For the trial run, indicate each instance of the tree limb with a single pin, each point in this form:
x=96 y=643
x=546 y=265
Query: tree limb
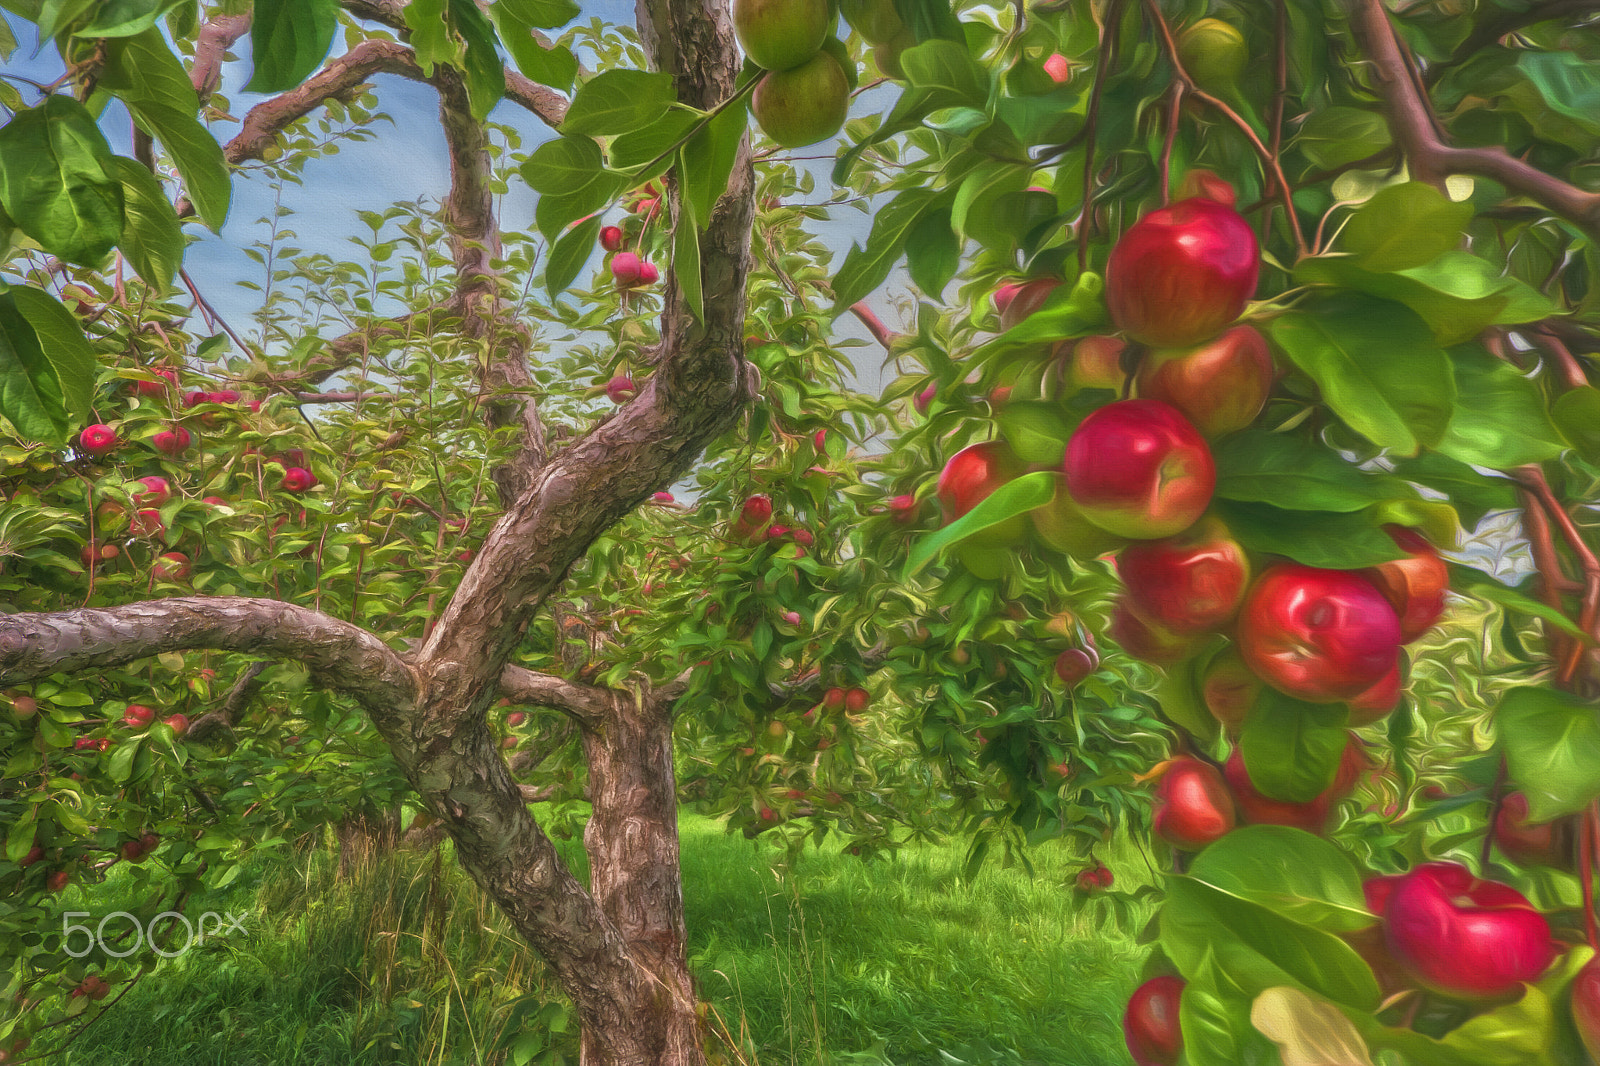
x=585 y=704
x=216 y=37
x=1431 y=159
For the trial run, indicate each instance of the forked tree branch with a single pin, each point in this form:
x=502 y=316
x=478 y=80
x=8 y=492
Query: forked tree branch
x=1431 y=159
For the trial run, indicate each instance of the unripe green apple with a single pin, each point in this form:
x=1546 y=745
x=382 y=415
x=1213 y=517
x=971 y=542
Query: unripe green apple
x=804 y=105
x=1214 y=54
x=887 y=54
x=781 y=34
x=876 y=20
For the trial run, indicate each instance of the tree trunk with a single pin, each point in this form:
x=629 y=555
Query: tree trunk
x=632 y=841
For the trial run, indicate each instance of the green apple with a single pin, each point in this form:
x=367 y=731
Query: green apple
x=887 y=54
x=802 y=106
x=781 y=34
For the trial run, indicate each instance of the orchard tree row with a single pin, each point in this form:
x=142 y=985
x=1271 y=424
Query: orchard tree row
x=1178 y=518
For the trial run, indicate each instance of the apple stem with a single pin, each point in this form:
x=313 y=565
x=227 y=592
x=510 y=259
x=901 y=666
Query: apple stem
x=1497 y=795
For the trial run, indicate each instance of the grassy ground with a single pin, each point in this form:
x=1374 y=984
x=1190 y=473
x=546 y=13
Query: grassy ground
x=835 y=963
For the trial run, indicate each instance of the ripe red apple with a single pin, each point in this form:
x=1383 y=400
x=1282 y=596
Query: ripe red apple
x=1094 y=878
x=1312 y=816
x=34 y=854
x=156 y=492
x=178 y=722
x=754 y=515
x=1318 y=635
x=195 y=398
x=1144 y=641
x=1229 y=689
x=138 y=716
x=611 y=238
x=1182 y=274
x=804 y=105
x=149 y=841
x=508 y=743
x=925 y=398
x=147 y=523
x=1057 y=68
x=57 y=880
x=1220 y=385
x=903 y=510
x=1193 y=807
x=648 y=274
x=856 y=700
x=1150 y=1024
x=1379 y=700
x=1190 y=583
x=1075 y=664
x=298 y=479
x=97 y=440
x=833 y=699
x=1463 y=936
x=625 y=269
x=110 y=516
x=1137 y=468
x=781 y=34
x=1586 y=1006
x=663 y=498
x=172 y=442
x=132 y=851
x=1414 y=586
x=172 y=566
x=620 y=389
x=1531 y=843
x=515 y=718
x=970 y=477
x=164 y=380
x=1016 y=300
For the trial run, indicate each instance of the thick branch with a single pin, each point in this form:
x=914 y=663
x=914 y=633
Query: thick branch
x=225 y=717
x=1411 y=124
x=342 y=657
x=216 y=37
x=586 y=704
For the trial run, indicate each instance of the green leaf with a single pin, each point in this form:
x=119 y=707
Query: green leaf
x=1473 y=494
x=1015 y=497
x=1292 y=748
x=288 y=39
x=19 y=836
x=197 y=156
x=686 y=263
x=933 y=252
x=651 y=144
x=120 y=767
x=30 y=394
x=1500 y=420
x=1334 y=136
x=1259 y=948
x=864 y=269
x=1569 y=84
x=57 y=180
x=485 y=74
x=1215 y=1025
x=948 y=69
x=1293 y=473
x=142 y=68
x=1577 y=415
x=151 y=237
x=1181 y=701
x=542 y=14
x=708 y=160
x=431 y=38
x=1303 y=877
x=64 y=346
x=572 y=183
x=1036 y=430
x=618 y=101
x=1332 y=539
x=124 y=18
x=1552 y=746
x=1405 y=225
x=1069 y=311
x=1493 y=591
x=569 y=253
x=1377 y=367
x=8 y=44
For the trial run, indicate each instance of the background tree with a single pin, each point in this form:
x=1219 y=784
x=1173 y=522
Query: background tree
x=821 y=657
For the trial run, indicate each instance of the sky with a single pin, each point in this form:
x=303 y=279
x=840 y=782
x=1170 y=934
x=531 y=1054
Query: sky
x=406 y=160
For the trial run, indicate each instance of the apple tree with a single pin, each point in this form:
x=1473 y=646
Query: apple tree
x=1238 y=350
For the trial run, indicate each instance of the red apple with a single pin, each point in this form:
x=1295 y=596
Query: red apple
x=1182 y=274
x=24 y=707
x=149 y=841
x=164 y=380
x=97 y=440
x=611 y=238
x=1312 y=816
x=663 y=498
x=196 y=398
x=1318 y=635
x=110 y=516
x=1379 y=700
x=970 y=477
x=1193 y=807
x=1191 y=583
x=1094 y=363
x=57 y=880
x=1144 y=641
x=1137 y=468
x=625 y=269
x=1016 y=300
x=925 y=397
x=754 y=515
x=856 y=700
x=1462 y=936
x=1414 y=586
x=138 y=716
x=1057 y=68
x=1220 y=385
x=903 y=510
x=132 y=851
x=1229 y=689
x=34 y=854
x=833 y=699
x=1075 y=664
x=172 y=442
x=1531 y=843
x=156 y=492
x=1150 y=1024
x=620 y=389
x=147 y=523
x=178 y=722
x=172 y=566
x=648 y=274
x=1586 y=1006
x=298 y=479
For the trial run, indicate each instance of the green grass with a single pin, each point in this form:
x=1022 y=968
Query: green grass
x=833 y=962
